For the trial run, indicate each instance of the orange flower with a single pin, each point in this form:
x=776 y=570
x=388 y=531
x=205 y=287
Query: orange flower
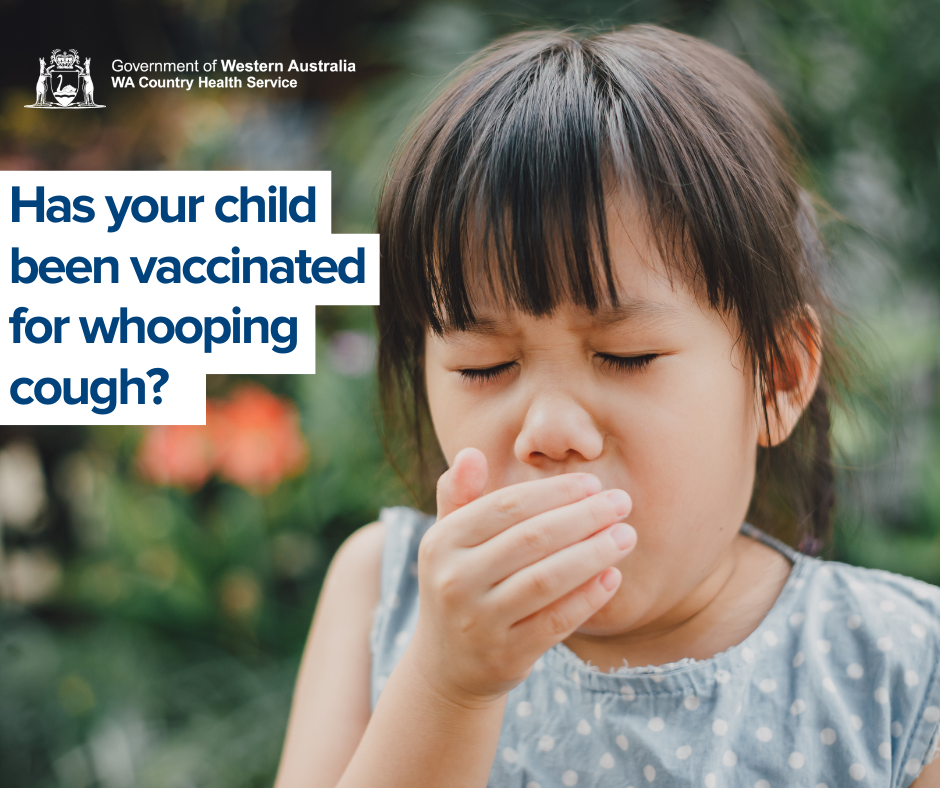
x=179 y=455
x=259 y=439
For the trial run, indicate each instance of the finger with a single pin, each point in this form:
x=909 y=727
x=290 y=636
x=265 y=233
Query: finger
x=532 y=540
x=491 y=514
x=544 y=582
x=463 y=482
x=557 y=621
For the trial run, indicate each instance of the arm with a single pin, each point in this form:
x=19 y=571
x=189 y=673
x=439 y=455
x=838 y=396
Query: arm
x=418 y=736
x=331 y=740
x=331 y=699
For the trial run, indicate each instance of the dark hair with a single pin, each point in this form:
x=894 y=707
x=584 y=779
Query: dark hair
x=519 y=156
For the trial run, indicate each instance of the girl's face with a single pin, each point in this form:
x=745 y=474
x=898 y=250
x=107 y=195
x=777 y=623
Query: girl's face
x=652 y=397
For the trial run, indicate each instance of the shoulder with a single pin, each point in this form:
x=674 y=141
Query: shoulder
x=882 y=617
x=357 y=562
x=876 y=600
x=363 y=549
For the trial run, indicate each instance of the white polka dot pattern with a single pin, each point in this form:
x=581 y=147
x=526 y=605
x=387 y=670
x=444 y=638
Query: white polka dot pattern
x=852 y=654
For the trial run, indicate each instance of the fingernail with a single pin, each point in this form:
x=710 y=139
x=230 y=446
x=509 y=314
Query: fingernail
x=620 y=500
x=591 y=483
x=624 y=536
x=609 y=578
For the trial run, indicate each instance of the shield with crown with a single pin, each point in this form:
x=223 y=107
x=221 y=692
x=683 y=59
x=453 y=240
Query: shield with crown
x=65 y=76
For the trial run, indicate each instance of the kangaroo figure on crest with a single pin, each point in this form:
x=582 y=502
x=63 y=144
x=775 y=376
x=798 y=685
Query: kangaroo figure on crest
x=41 y=82
x=88 y=85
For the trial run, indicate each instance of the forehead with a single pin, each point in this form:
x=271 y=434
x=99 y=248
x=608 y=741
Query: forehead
x=649 y=290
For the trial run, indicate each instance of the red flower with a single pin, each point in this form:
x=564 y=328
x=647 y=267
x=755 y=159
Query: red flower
x=179 y=455
x=259 y=440
x=253 y=439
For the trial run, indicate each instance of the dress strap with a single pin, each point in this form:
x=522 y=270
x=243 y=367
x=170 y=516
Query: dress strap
x=762 y=536
x=395 y=615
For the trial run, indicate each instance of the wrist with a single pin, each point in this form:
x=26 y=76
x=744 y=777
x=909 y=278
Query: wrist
x=446 y=693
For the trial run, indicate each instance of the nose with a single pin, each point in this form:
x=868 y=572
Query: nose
x=558 y=429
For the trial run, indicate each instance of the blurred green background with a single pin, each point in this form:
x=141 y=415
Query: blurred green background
x=156 y=596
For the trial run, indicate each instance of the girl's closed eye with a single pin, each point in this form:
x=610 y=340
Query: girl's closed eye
x=627 y=363
x=486 y=374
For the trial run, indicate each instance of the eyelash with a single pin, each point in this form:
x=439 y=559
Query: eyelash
x=487 y=374
x=619 y=363
x=628 y=363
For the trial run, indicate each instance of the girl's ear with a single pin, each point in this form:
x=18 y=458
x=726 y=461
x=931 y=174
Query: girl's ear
x=795 y=382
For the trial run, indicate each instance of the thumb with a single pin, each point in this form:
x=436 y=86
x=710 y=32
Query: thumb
x=463 y=482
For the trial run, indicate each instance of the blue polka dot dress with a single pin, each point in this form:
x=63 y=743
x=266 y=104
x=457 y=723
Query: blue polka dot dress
x=837 y=686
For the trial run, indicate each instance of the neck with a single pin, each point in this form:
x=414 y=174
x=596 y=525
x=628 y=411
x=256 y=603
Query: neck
x=720 y=612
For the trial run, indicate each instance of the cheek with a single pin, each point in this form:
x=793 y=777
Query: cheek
x=442 y=406
x=693 y=452
x=462 y=418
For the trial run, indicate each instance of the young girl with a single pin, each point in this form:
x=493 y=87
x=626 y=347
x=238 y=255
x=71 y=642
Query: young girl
x=602 y=287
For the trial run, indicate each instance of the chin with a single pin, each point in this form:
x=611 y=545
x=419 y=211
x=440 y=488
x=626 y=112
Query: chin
x=604 y=622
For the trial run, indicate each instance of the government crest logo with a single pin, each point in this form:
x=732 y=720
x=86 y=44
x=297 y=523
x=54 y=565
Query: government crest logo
x=65 y=83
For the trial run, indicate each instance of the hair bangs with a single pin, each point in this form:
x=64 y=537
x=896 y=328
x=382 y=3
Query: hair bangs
x=513 y=203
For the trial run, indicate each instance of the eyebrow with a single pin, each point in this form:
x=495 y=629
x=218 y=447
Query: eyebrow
x=629 y=310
